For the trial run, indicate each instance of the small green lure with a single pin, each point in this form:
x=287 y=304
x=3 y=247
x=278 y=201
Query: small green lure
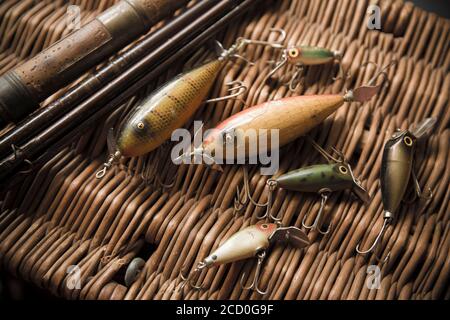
x=322 y=179
x=301 y=56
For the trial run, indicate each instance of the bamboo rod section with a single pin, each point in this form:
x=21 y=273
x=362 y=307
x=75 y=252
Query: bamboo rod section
x=24 y=87
x=41 y=118
x=74 y=123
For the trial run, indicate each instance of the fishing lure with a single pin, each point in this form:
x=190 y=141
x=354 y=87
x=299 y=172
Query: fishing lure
x=249 y=242
x=323 y=179
x=397 y=168
x=292 y=117
x=152 y=122
x=300 y=56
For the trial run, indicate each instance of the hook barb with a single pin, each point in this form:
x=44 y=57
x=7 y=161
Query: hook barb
x=366 y=92
x=255 y=282
x=277 y=67
x=295 y=79
x=314 y=226
x=276 y=44
x=418 y=189
x=240 y=89
x=189 y=278
x=325 y=154
x=376 y=242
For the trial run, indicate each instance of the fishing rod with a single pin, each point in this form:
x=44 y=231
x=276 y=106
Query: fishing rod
x=74 y=124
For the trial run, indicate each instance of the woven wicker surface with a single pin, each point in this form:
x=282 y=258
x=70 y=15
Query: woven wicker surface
x=62 y=216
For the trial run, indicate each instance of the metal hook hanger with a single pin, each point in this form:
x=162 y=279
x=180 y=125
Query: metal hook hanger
x=325 y=193
x=255 y=283
x=107 y=165
x=376 y=241
x=241 y=89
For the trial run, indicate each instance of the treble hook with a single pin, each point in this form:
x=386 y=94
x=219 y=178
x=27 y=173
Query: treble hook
x=201 y=265
x=294 y=82
x=418 y=190
x=365 y=92
x=166 y=186
x=325 y=154
x=376 y=241
x=277 y=67
x=276 y=45
x=162 y=184
x=272 y=184
x=383 y=73
x=248 y=197
x=255 y=283
x=238 y=205
x=241 y=89
x=324 y=194
x=242 y=42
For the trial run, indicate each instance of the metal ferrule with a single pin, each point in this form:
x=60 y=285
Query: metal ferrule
x=349 y=96
x=337 y=55
x=388 y=215
x=14 y=93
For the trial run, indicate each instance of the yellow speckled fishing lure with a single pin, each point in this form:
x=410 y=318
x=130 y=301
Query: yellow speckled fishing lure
x=170 y=107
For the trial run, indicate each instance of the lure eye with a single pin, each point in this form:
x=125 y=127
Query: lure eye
x=264 y=226
x=343 y=169
x=293 y=53
x=140 y=125
x=408 y=141
x=228 y=138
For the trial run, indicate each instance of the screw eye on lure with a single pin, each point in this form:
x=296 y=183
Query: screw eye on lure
x=323 y=179
x=253 y=241
x=397 y=168
x=152 y=122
